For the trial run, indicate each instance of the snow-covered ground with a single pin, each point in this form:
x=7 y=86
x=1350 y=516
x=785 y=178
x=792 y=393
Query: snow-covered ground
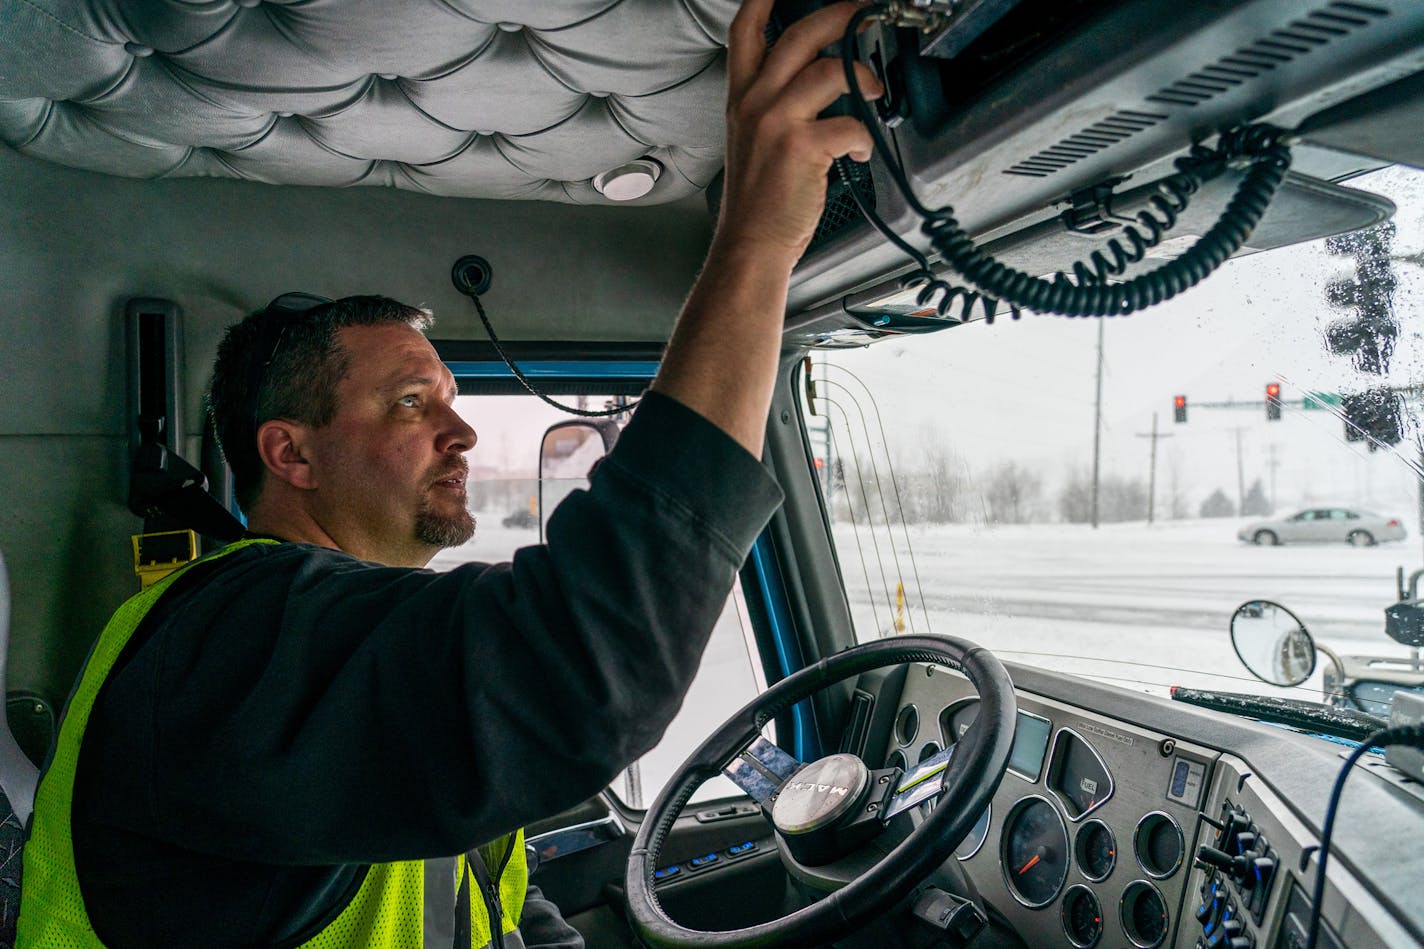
x=1147 y=607
x=1142 y=608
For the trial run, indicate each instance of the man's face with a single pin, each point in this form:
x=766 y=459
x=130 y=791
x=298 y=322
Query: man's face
x=390 y=466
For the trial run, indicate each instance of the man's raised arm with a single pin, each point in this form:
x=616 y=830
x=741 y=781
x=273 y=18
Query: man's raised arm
x=721 y=360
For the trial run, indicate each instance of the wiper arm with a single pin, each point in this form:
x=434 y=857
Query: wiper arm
x=1312 y=716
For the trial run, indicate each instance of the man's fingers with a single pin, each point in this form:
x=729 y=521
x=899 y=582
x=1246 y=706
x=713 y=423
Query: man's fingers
x=746 y=46
x=843 y=135
x=800 y=44
x=823 y=82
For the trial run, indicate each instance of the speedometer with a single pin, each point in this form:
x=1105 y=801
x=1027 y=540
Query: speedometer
x=1034 y=852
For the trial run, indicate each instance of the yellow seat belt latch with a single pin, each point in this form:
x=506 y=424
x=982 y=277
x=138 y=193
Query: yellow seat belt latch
x=159 y=554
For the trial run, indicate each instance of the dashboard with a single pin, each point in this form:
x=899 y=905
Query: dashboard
x=1128 y=820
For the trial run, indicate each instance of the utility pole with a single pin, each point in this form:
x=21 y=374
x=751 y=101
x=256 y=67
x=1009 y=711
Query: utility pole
x=1098 y=422
x=1152 y=469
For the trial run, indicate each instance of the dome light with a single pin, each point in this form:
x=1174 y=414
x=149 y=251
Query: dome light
x=628 y=182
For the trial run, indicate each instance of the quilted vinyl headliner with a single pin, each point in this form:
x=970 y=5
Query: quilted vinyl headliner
x=471 y=98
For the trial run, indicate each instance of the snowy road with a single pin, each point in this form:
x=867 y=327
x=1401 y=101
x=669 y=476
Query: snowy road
x=1141 y=608
x=1158 y=599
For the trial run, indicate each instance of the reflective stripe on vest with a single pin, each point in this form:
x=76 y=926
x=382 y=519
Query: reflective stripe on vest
x=385 y=912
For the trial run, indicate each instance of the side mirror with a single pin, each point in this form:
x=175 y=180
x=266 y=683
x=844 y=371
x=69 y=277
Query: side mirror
x=1272 y=643
x=567 y=456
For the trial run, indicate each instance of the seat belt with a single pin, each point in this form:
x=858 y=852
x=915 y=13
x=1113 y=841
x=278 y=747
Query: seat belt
x=172 y=497
x=164 y=489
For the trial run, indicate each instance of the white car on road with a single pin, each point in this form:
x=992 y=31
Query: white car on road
x=1325 y=525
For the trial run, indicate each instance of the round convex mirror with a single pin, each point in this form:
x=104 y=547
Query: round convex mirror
x=1272 y=642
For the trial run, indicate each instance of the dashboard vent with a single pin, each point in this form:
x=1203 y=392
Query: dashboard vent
x=861 y=705
x=1089 y=141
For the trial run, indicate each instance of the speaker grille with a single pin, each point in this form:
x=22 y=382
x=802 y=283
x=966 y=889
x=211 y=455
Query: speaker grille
x=841 y=213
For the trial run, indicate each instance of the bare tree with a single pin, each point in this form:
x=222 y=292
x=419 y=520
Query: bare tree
x=1075 y=499
x=1012 y=492
x=941 y=484
x=1119 y=499
x=1122 y=499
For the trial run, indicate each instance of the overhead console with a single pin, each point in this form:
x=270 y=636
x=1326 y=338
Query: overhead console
x=1042 y=123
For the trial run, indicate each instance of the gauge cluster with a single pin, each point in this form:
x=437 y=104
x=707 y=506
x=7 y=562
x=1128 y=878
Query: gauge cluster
x=1087 y=840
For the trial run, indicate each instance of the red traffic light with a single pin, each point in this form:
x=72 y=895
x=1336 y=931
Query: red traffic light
x=1273 y=401
x=1179 y=408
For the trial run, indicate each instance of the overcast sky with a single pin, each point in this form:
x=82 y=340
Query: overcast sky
x=1024 y=390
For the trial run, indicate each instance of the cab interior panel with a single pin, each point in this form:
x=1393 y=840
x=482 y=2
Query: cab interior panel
x=966 y=478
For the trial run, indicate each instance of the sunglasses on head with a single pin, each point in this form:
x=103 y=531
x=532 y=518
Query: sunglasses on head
x=271 y=328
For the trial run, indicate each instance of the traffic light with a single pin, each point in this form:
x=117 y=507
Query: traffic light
x=1179 y=408
x=1273 y=401
x=1373 y=416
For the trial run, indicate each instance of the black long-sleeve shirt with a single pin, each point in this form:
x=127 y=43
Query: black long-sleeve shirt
x=290 y=714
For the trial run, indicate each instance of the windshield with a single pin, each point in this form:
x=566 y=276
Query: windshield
x=959 y=467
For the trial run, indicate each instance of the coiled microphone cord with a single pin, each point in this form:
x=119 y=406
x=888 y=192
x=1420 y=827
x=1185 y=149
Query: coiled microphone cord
x=1086 y=291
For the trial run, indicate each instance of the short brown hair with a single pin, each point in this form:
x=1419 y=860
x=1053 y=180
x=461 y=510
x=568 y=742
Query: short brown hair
x=295 y=380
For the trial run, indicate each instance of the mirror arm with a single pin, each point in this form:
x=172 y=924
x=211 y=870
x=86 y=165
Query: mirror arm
x=1334 y=658
x=1412 y=592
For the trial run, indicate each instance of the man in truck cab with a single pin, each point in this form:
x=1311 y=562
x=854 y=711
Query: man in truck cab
x=305 y=739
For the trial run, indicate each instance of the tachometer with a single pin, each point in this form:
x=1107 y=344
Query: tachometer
x=1034 y=852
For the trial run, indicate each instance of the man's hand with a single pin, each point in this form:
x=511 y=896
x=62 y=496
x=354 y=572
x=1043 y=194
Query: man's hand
x=778 y=151
x=721 y=360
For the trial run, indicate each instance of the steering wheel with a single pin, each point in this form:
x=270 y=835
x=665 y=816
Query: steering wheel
x=829 y=815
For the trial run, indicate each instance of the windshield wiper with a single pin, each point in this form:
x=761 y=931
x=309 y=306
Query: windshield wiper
x=1311 y=716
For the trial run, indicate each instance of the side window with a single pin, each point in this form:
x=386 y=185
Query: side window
x=508 y=500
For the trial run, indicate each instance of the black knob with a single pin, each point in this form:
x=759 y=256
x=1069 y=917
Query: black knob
x=1211 y=857
x=471 y=275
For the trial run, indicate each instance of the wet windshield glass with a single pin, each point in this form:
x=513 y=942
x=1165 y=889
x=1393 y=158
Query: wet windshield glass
x=511 y=502
x=962 y=483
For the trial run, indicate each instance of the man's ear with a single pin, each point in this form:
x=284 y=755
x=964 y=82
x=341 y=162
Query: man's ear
x=284 y=448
